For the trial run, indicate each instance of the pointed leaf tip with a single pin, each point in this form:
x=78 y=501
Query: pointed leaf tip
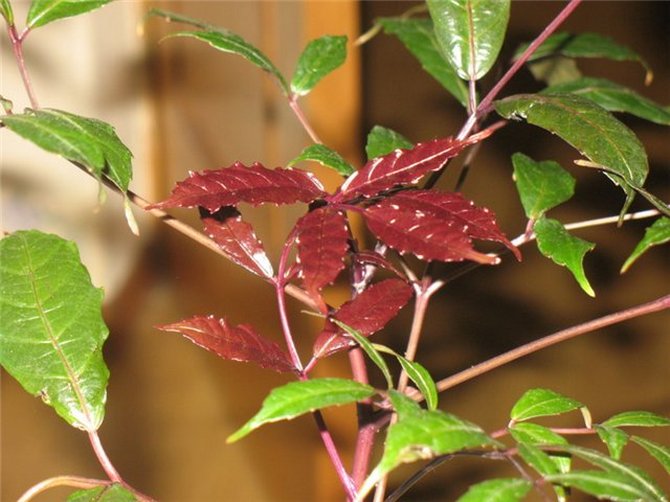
x=320 y=57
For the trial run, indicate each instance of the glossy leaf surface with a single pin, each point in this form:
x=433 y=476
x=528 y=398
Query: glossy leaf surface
x=658 y=451
x=537 y=459
x=234 y=343
x=297 y=398
x=541 y=185
x=418 y=37
x=109 y=493
x=237 y=240
x=382 y=141
x=238 y=183
x=51 y=326
x=434 y=225
x=593 y=131
x=637 y=419
x=326 y=157
x=541 y=403
x=320 y=57
x=615 y=439
x=45 y=11
x=90 y=142
x=602 y=485
x=535 y=434
x=614 y=98
x=564 y=249
x=422 y=379
x=470 y=33
x=497 y=490
x=656 y=234
x=367 y=313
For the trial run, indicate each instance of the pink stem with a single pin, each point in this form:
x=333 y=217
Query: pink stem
x=328 y=442
x=367 y=429
x=103 y=458
x=17 y=47
x=293 y=103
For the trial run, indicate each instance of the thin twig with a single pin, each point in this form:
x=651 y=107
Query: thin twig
x=73 y=481
x=293 y=103
x=100 y=453
x=17 y=48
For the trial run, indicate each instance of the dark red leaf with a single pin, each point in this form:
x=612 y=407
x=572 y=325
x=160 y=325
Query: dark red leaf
x=376 y=260
x=236 y=343
x=402 y=167
x=435 y=226
x=237 y=240
x=322 y=245
x=367 y=313
x=238 y=183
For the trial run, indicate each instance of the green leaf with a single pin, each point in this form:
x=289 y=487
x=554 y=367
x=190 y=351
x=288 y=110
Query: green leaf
x=320 y=57
x=656 y=234
x=633 y=476
x=554 y=242
x=537 y=459
x=421 y=377
x=369 y=349
x=536 y=434
x=497 y=490
x=592 y=130
x=585 y=45
x=87 y=141
x=297 y=398
x=614 y=438
x=418 y=36
x=51 y=327
x=110 y=493
x=326 y=157
x=470 y=33
x=541 y=403
x=382 y=140
x=541 y=185
x=614 y=98
x=555 y=70
x=403 y=405
x=602 y=485
x=637 y=419
x=6 y=11
x=45 y=11
x=659 y=452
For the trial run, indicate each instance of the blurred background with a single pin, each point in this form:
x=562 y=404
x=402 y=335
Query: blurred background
x=180 y=105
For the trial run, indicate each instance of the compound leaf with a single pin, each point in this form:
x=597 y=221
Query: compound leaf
x=541 y=185
x=382 y=141
x=470 y=33
x=45 y=11
x=87 y=141
x=320 y=57
x=108 y=493
x=233 y=343
x=51 y=326
x=659 y=452
x=297 y=398
x=564 y=249
x=541 y=403
x=238 y=183
x=615 y=439
x=497 y=490
x=326 y=157
x=637 y=419
x=656 y=234
x=418 y=37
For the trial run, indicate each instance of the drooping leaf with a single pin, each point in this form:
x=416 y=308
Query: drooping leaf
x=601 y=484
x=238 y=183
x=564 y=249
x=592 y=130
x=615 y=439
x=614 y=98
x=434 y=226
x=403 y=405
x=320 y=57
x=541 y=185
x=326 y=157
x=6 y=11
x=541 y=403
x=367 y=313
x=382 y=141
x=585 y=45
x=51 y=326
x=656 y=234
x=401 y=167
x=536 y=434
x=470 y=33
x=237 y=240
x=658 y=451
x=422 y=379
x=637 y=419
x=87 y=141
x=322 y=241
x=234 y=343
x=537 y=459
x=297 y=398
x=497 y=490
x=45 y=11
x=108 y=493
x=419 y=38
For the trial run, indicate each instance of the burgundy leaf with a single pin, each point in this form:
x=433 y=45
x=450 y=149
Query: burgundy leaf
x=367 y=313
x=435 y=226
x=322 y=245
x=374 y=259
x=238 y=183
x=401 y=167
x=236 y=343
x=237 y=240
